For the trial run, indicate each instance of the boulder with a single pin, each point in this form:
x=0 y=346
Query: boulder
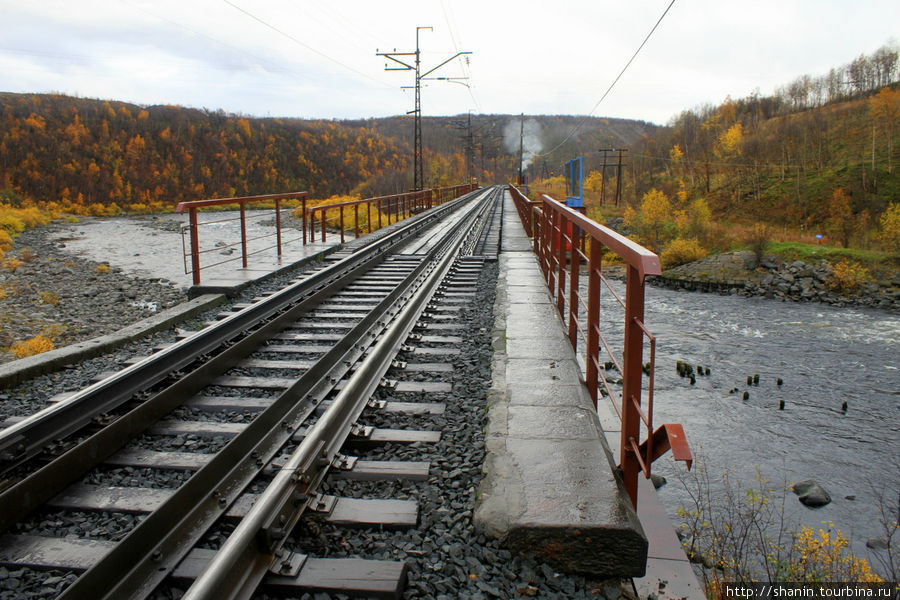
x=876 y=544
x=811 y=493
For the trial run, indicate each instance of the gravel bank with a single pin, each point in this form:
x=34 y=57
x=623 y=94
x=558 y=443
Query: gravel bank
x=67 y=298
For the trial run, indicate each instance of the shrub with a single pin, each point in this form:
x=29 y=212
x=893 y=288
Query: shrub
x=51 y=298
x=27 y=255
x=32 y=217
x=847 y=276
x=6 y=242
x=11 y=264
x=890 y=228
x=681 y=251
x=10 y=222
x=758 y=241
x=36 y=345
x=747 y=536
x=101 y=269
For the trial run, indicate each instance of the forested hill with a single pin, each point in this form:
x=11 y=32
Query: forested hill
x=64 y=149
x=81 y=153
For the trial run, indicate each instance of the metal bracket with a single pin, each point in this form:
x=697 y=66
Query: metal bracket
x=407 y=348
x=288 y=565
x=361 y=431
x=398 y=364
x=388 y=383
x=669 y=437
x=344 y=462
x=376 y=404
x=321 y=503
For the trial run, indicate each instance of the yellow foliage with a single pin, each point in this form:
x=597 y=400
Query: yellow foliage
x=847 y=276
x=5 y=240
x=675 y=154
x=594 y=181
x=36 y=345
x=681 y=251
x=101 y=269
x=12 y=264
x=731 y=139
x=824 y=557
x=10 y=222
x=51 y=298
x=890 y=228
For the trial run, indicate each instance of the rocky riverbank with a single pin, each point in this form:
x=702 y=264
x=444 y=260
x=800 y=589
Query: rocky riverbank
x=736 y=273
x=44 y=290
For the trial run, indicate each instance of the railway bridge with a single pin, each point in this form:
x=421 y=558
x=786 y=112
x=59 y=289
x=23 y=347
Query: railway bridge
x=433 y=408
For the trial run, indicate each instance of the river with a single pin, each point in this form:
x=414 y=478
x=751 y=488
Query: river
x=825 y=356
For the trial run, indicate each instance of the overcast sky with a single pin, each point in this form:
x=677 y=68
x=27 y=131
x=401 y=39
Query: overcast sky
x=317 y=59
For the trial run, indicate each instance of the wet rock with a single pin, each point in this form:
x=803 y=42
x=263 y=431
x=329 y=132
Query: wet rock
x=811 y=493
x=877 y=543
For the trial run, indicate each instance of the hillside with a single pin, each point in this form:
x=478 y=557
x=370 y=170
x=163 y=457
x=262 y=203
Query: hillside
x=788 y=169
x=101 y=156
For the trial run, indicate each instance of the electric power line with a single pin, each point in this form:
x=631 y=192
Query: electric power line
x=305 y=45
x=612 y=85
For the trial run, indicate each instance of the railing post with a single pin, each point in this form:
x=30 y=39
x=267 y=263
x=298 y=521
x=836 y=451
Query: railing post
x=195 y=247
x=304 y=215
x=380 y=211
x=368 y=217
x=564 y=226
x=243 y=235
x=631 y=380
x=592 y=362
x=341 y=222
x=323 y=217
x=553 y=227
x=356 y=219
x=278 y=226
x=574 y=267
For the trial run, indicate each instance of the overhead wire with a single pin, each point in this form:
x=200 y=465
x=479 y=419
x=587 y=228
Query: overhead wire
x=464 y=61
x=613 y=84
x=212 y=39
x=304 y=45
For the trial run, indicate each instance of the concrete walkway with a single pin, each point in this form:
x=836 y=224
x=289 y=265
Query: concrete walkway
x=550 y=487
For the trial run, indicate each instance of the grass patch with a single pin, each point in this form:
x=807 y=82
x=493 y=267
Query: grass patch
x=809 y=253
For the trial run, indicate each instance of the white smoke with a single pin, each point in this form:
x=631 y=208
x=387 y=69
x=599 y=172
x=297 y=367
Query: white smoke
x=531 y=139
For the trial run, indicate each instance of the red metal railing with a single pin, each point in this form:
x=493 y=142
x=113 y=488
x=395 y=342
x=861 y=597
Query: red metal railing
x=564 y=240
x=387 y=209
x=193 y=228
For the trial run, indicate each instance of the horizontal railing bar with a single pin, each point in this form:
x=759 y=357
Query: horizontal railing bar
x=182 y=206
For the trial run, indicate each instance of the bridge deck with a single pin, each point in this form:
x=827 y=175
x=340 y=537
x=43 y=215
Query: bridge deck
x=549 y=487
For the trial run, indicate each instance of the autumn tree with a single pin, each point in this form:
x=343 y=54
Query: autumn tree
x=652 y=219
x=840 y=223
x=890 y=228
x=885 y=107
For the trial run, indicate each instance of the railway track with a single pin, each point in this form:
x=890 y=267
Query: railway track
x=213 y=465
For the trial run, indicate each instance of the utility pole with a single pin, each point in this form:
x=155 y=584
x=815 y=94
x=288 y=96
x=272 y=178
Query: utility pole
x=619 y=175
x=418 y=162
x=603 y=177
x=618 y=166
x=521 y=179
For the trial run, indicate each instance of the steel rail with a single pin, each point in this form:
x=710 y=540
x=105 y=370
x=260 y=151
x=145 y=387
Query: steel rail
x=155 y=547
x=25 y=495
x=255 y=546
x=30 y=436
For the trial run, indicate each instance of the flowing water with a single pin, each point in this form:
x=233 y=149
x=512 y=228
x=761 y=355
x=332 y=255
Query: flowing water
x=826 y=356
